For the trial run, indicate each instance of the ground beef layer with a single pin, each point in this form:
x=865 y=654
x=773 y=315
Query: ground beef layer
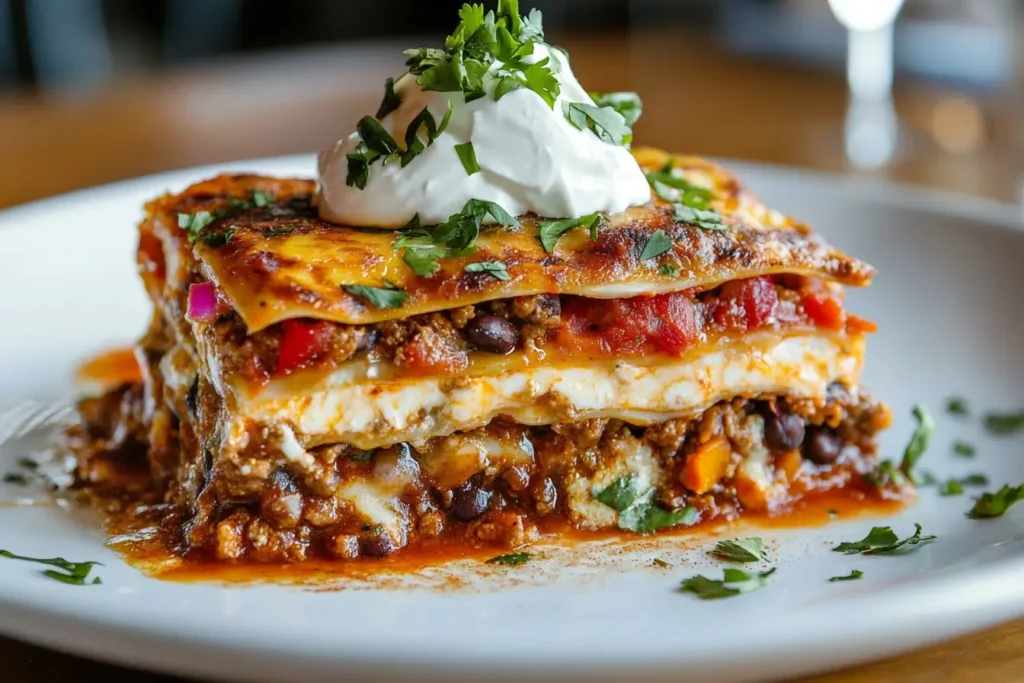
x=495 y=485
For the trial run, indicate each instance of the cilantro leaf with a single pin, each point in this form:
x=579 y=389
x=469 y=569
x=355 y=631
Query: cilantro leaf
x=1002 y=424
x=218 y=239
x=707 y=220
x=511 y=559
x=852 y=576
x=505 y=85
x=495 y=268
x=657 y=244
x=919 y=441
x=533 y=26
x=734 y=582
x=278 y=232
x=455 y=237
x=669 y=184
x=479 y=209
x=261 y=199
x=606 y=123
x=645 y=516
x=387 y=296
x=668 y=270
x=620 y=494
x=551 y=231
x=955 y=487
x=996 y=504
x=882 y=540
x=467 y=155
x=886 y=474
x=964 y=449
x=74 y=573
x=741 y=550
x=391 y=100
x=375 y=137
x=538 y=78
x=422 y=254
x=956 y=405
x=195 y=223
x=627 y=104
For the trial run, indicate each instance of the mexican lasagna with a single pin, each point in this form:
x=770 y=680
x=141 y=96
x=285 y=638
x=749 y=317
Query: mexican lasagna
x=316 y=390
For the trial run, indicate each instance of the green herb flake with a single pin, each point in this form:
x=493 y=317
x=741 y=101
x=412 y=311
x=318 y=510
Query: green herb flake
x=74 y=573
x=494 y=268
x=467 y=155
x=991 y=505
x=195 y=223
x=261 y=198
x=704 y=219
x=511 y=559
x=964 y=449
x=1004 y=424
x=216 y=240
x=741 y=550
x=627 y=104
x=645 y=516
x=620 y=494
x=734 y=582
x=852 y=576
x=455 y=237
x=955 y=487
x=657 y=244
x=658 y=562
x=956 y=405
x=882 y=540
x=919 y=441
x=279 y=232
x=391 y=100
x=551 y=231
x=16 y=478
x=387 y=296
x=668 y=270
x=605 y=122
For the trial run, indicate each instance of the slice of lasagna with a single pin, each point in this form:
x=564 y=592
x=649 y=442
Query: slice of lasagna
x=316 y=390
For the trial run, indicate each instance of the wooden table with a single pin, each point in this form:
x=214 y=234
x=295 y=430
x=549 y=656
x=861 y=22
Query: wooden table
x=697 y=100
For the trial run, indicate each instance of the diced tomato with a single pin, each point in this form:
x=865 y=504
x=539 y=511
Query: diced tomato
x=824 y=309
x=302 y=341
x=666 y=323
x=746 y=304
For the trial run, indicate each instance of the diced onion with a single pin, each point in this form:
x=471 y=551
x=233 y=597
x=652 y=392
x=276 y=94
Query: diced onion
x=203 y=304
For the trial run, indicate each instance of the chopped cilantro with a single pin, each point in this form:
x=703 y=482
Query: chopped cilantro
x=996 y=504
x=16 y=478
x=627 y=104
x=964 y=449
x=704 y=219
x=218 y=239
x=467 y=155
x=741 y=550
x=956 y=405
x=551 y=231
x=620 y=494
x=852 y=576
x=605 y=122
x=882 y=540
x=668 y=270
x=955 y=487
x=638 y=511
x=919 y=441
x=734 y=582
x=495 y=268
x=511 y=559
x=195 y=223
x=657 y=244
x=278 y=232
x=261 y=199
x=391 y=100
x=456 y=237
x=387 y=296
x=1002 y=424
x=74 y=573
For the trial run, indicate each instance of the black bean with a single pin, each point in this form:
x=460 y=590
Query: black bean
x=192 y=399
x=469 y=501
x=492 y=333
x=784 y=431
x=822 y=446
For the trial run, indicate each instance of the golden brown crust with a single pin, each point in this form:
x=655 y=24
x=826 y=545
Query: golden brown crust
x=272 y=278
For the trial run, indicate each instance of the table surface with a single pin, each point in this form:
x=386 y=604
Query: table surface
x=697 y=99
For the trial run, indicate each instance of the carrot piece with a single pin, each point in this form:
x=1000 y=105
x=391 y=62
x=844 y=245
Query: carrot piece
x=706 y=466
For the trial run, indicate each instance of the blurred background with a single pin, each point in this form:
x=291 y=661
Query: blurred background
x=929 y=92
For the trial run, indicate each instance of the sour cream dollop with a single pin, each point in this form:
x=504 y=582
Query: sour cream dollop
x=531 y=160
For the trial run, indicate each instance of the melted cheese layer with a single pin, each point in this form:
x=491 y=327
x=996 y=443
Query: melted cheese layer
x=371 y=413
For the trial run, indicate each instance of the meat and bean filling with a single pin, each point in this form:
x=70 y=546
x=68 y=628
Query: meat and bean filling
x=443 y=342
x=279 y=511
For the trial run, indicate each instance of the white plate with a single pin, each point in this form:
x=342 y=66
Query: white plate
x=946 y=301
